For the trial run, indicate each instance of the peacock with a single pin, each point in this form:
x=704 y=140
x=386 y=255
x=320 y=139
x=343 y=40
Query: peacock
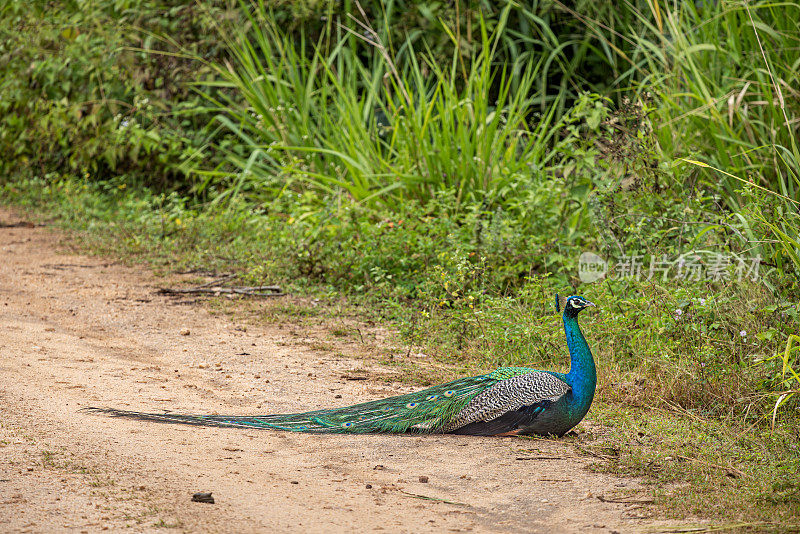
x=509 y=401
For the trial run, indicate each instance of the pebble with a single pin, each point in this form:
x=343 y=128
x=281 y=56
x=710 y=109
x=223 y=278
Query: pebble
x=202 y=496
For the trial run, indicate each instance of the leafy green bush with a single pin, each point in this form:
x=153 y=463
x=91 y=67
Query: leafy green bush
x=77 y=94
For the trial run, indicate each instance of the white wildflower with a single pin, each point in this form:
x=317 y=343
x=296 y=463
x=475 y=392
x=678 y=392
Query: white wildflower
x=743 y=333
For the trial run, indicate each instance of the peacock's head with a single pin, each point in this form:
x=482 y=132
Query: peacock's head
x=574 y=305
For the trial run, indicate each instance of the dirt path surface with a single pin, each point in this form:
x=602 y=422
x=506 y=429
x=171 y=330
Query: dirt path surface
x=79 y=331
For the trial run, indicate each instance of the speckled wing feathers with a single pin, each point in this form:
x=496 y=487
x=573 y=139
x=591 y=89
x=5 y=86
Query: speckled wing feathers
x=509 y=395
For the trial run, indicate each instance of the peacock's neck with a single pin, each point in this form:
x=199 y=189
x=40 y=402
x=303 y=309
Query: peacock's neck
x=582 y=376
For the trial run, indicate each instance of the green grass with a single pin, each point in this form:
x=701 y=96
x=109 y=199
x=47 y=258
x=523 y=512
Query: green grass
x=701 y=467
x=334 y=125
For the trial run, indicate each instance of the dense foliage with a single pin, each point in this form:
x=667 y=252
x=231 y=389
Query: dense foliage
x=84 y=95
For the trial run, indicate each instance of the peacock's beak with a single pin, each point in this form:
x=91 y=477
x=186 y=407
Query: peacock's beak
x=590 y=304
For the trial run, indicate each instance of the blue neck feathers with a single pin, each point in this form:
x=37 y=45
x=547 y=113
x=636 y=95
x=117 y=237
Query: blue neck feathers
x=582 y=376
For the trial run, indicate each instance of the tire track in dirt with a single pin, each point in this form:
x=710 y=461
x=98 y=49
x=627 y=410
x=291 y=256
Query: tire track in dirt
x=78 y=331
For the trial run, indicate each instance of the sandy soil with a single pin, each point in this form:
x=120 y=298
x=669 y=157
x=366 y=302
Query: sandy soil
x=79 y=331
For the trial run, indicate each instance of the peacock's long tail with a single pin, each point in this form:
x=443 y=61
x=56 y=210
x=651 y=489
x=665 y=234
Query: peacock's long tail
x=508 y=401
x=428 y=411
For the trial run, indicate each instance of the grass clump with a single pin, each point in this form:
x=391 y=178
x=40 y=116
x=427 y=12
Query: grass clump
x=367 y=131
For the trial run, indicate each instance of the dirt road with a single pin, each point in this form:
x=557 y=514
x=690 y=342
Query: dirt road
x=79 y=331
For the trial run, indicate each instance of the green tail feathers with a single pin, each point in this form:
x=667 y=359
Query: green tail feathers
x=515 y=406
x=425 y=411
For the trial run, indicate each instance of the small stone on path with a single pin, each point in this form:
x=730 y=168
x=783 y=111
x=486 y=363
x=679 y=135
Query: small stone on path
x=203 y=497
